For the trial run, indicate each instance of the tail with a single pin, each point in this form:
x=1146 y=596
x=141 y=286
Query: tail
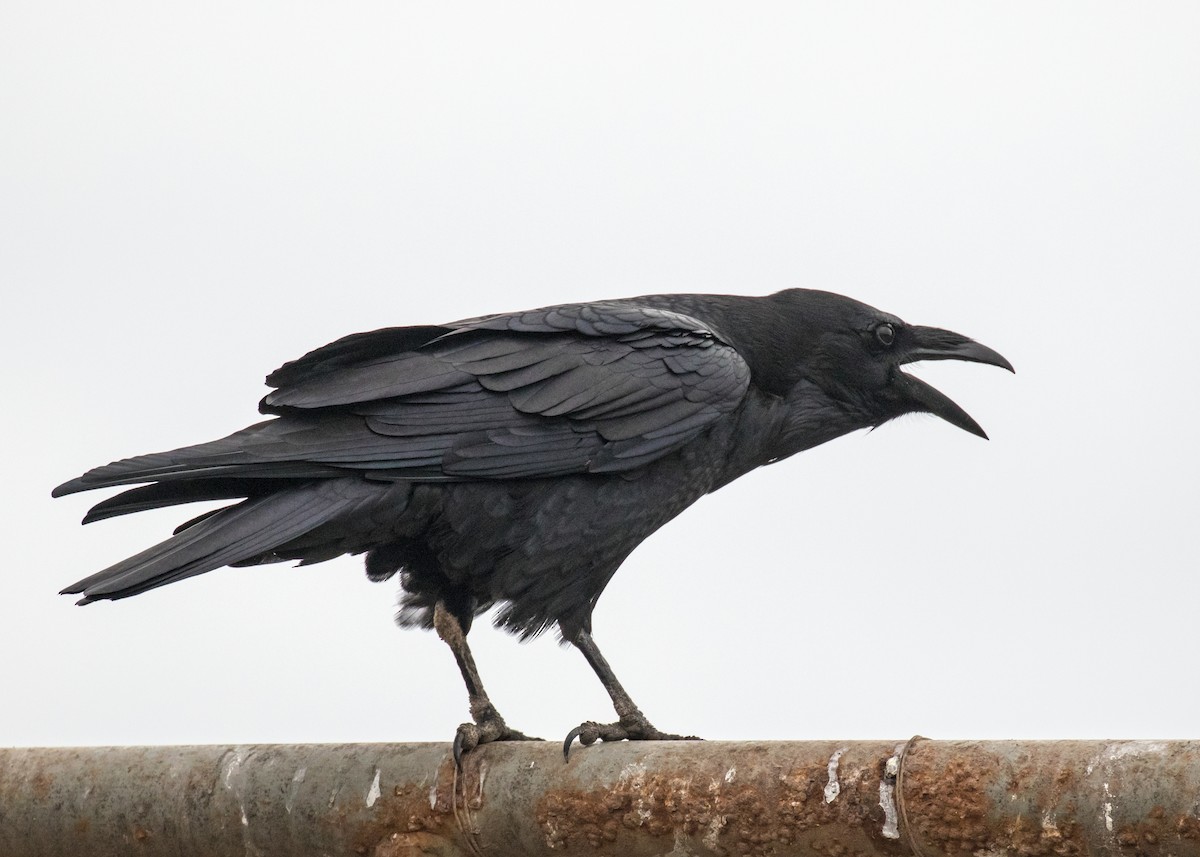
x=264 y=451
x=244 y=533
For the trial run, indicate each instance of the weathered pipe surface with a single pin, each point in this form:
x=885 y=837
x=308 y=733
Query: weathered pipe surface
x=833 y=799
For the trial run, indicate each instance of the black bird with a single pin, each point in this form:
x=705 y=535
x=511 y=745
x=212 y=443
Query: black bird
x=517 y=459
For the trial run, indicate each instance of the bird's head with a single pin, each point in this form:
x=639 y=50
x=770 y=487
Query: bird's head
x=854 y=354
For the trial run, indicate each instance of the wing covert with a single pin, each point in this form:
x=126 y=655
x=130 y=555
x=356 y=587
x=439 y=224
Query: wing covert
x=579 y=388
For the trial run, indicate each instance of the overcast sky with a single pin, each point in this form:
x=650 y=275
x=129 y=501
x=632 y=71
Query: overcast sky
x=192 y=194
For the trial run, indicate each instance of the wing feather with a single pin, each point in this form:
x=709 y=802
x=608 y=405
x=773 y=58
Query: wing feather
x=579 y=388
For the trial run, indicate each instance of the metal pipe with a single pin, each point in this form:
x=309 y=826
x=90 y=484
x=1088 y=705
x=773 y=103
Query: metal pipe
x=831 y=799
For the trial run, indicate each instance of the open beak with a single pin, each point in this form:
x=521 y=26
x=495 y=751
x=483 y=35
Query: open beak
x=931 y=343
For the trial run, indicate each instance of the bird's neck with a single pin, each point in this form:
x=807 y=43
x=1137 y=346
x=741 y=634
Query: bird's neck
x=771 y=428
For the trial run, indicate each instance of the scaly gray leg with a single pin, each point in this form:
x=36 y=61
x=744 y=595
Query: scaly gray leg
x=488 y=725
x=632 y=725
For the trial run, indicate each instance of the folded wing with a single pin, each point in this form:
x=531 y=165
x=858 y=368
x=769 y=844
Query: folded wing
x=581 y=388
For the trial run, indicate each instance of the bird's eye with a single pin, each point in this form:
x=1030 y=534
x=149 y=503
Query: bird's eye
x=886 y=334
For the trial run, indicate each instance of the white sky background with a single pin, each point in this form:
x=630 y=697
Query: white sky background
x=192 y=194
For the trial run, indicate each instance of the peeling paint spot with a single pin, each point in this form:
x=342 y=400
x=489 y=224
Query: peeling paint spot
x=294 y=789
x=833 y=788
x=887 y=800
x=230 y=770
x=1108 y=808
x=634 y=773
x=730 y=774
x=373 y=792
x=892 y=767
x=483 y=770
x=1135 y=748
x=887 y=795
x=435 y=778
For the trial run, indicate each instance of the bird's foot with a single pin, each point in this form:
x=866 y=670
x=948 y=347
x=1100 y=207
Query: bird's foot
x=489 y=726
x=631 y=727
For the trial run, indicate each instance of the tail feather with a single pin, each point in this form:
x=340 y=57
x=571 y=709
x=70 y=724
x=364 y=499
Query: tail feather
x=234 y=534
x=261 y=451
x=175 y=493
x=199 y=460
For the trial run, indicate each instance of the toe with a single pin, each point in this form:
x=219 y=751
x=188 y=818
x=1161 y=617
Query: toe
x=629 y=728
x=484 y=731
x=466 y=739
x=590 y=732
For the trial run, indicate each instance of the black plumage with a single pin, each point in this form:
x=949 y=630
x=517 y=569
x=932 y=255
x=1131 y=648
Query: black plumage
x=517 y=459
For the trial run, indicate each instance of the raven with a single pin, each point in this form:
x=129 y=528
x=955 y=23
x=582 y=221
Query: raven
x=517 y=459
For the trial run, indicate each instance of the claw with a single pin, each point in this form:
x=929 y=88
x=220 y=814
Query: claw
x=571 y=736
x=465 y=739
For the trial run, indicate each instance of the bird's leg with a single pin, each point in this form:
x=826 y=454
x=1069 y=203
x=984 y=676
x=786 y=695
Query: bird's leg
x=631 y=725
x=488 y=725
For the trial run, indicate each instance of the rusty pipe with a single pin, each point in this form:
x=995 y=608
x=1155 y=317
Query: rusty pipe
x=833 y=799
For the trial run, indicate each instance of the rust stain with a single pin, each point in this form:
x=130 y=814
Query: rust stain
x=947 y=807
x=965 y=798
x=954 y=799
x=718 y=814
x=406 y=819
x=1041 y=838
x=410 y=845
x=1157 y=833
x=954 y=804
x=657 y=804
x=1188 y=827
x=41 y=784
x=967 y=802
